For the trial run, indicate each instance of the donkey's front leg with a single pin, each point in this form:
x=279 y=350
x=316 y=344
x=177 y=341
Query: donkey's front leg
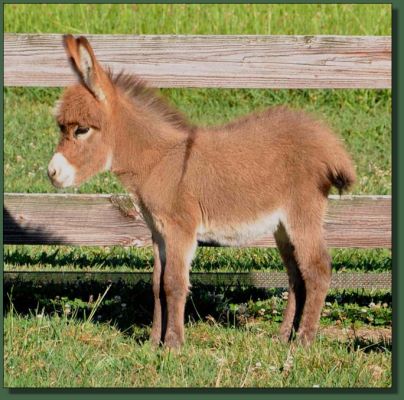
x=160 y=312
x=180 y=249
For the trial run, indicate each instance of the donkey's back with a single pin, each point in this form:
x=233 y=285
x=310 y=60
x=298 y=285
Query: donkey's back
x=271 y=162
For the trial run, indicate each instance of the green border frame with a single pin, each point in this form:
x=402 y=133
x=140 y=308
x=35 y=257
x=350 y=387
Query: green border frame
x=398 y=225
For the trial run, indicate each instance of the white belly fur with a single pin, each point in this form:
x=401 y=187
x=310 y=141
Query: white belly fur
x=243 y=233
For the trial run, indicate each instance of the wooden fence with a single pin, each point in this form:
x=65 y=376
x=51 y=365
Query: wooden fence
x=105 y=220
x=211 y=61
x=197 y=61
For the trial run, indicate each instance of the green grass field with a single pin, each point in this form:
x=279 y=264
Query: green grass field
x=39 y=351
x=55 y=351
x=196 y=19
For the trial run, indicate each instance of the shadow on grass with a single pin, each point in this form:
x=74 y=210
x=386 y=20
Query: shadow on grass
x=370 y=345
x=126 y=305
x=129 y=306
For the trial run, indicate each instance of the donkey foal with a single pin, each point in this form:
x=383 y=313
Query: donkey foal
x=270 y=171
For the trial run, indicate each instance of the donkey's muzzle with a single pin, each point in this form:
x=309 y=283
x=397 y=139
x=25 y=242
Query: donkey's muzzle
x=61 y=173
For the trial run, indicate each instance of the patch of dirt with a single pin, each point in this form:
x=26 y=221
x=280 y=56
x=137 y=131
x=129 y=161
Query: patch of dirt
x=368 y=334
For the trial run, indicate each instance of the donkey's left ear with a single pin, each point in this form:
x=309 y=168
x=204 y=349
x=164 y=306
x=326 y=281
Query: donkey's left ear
x=86 y=65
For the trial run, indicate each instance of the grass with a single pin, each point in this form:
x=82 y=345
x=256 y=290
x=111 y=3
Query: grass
x=53 y=349
x=197 y=19
x=119 y=259
x=59 y=351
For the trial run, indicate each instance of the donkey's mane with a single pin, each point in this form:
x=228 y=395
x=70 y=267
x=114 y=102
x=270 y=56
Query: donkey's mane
x=138 y=90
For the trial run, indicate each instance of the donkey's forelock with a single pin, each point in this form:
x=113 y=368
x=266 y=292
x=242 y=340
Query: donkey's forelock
x=79 y=106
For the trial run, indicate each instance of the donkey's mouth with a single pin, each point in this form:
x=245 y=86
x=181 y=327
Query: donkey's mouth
x=61 y=181
x=60 y=185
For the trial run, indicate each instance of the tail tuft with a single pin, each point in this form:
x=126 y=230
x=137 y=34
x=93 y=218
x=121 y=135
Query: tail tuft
x=342 y=179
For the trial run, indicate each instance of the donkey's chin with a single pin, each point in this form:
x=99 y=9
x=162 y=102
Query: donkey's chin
x=63 y=184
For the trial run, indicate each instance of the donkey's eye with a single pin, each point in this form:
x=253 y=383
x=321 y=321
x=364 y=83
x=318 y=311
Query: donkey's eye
x=81 y=130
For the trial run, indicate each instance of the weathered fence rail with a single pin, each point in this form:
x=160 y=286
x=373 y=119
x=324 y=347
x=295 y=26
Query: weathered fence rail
x=351 y=221
x=211 y=61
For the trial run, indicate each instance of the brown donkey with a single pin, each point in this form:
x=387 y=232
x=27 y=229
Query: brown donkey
x=267 y=172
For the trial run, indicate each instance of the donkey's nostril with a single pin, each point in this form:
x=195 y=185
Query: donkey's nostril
x=51 y=172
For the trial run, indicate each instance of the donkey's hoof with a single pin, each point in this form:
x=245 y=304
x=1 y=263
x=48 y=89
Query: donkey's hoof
x=306 y=337
x=155 y=339
x=284 y=335
x=173 y=341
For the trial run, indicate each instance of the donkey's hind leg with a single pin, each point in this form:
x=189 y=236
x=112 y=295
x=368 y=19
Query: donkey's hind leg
x=297 y=293
x=314 y=264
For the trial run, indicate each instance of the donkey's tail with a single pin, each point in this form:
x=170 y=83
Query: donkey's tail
x=340 y=169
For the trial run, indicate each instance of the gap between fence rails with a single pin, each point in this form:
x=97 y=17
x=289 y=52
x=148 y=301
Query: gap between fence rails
x=264 y=280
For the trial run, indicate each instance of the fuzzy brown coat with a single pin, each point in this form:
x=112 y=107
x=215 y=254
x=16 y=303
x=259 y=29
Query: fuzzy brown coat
x=270 y=171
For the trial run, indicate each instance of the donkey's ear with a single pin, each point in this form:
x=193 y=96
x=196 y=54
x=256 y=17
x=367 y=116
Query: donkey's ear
x=86 y=65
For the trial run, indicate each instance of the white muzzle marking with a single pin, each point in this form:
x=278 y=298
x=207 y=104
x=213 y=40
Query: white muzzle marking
x=60 y=171
x=108 y=162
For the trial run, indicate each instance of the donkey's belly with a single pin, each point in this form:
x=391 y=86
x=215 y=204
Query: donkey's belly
x=240 y=234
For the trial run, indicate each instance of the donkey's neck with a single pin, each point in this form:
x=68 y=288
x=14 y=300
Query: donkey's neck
x=142 y=141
